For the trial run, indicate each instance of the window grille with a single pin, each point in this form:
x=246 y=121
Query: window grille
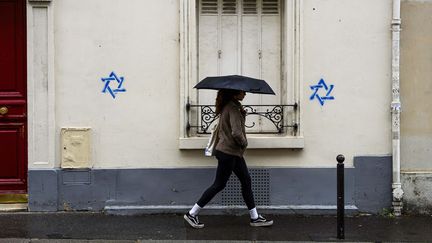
x=272 y=113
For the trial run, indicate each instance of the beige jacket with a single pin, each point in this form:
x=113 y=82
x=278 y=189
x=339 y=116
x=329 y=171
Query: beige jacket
x=232 y=134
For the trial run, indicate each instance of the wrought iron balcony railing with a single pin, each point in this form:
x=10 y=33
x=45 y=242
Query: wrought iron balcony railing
x=206 y=115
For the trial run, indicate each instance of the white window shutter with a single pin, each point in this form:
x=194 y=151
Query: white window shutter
x=229 y=7
x=271 y=55
x=242 y=37
x=249 y=7
x=229 y=44
x=250 y=62
x=270 y=6
x=209 y=7
x=208 y=46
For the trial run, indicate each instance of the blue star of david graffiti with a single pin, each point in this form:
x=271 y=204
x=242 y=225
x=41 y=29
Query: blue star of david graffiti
x=321 y=84
x=107 y=87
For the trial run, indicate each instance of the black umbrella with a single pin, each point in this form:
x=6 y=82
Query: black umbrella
x=236 y=82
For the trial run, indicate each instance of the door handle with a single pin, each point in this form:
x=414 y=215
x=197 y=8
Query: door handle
x=3 y=110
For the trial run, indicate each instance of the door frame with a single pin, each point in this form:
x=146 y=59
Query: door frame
x=40 y=100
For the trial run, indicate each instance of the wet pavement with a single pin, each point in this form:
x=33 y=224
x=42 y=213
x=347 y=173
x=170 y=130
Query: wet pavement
x=23 y=227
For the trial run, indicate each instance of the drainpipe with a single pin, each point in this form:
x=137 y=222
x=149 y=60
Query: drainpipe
x=396 y=109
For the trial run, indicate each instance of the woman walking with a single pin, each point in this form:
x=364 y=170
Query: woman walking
x=229 y=153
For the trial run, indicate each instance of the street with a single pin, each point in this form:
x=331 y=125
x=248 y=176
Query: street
x=98 y=226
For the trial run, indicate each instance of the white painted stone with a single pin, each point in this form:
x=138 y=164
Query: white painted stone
x=142 y=126
x=40 y=85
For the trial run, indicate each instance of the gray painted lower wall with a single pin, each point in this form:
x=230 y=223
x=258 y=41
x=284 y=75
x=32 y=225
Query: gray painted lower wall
x=373 y=183
x=367 y=188
x=43 y=190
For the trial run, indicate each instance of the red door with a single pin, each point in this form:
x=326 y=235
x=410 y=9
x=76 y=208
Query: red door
x=13 y=97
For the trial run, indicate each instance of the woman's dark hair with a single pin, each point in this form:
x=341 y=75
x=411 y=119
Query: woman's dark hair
x=223 y=97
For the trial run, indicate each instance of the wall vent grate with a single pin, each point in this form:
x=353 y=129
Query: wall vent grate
x=232 y=195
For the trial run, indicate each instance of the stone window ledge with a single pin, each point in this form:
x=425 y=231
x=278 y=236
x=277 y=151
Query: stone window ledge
x=255 y=142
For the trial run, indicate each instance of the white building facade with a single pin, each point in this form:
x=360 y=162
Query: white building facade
x=113 y=121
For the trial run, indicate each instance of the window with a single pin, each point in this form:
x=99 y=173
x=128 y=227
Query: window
x=242 y=37
x=247 y=37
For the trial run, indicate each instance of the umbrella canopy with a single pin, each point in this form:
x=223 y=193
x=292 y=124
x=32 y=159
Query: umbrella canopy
x=236 y=82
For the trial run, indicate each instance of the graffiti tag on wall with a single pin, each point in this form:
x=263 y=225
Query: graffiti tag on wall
x=321 y=92
x=113 y=81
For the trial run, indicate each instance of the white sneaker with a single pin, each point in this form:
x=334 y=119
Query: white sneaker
x=261 y=221
x=193 y=221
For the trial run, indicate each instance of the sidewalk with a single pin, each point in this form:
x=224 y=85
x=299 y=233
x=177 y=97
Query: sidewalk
x=87 y=227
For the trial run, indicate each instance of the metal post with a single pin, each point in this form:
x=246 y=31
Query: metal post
x=340 y=197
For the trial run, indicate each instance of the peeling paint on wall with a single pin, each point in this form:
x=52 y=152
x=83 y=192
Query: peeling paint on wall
x=417 y=192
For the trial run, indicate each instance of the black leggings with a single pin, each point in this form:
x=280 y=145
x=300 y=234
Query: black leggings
x=226 y=165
